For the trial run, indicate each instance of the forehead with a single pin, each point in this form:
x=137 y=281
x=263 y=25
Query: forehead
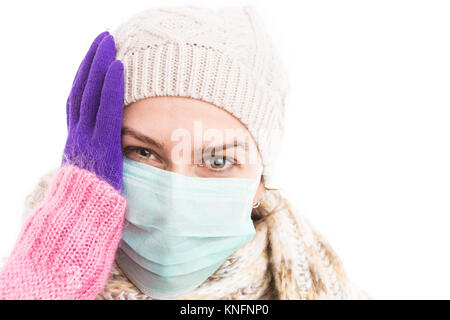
x=161 y=116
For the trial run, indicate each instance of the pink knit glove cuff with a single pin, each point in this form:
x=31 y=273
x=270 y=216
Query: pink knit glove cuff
x=67 y=246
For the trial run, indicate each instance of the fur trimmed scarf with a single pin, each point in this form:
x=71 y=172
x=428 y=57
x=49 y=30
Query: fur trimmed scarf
x=286 y=259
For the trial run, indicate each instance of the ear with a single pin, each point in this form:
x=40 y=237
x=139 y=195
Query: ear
x=259 y=192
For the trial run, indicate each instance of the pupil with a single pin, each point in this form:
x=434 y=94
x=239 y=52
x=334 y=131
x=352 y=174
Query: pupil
x=218 y=162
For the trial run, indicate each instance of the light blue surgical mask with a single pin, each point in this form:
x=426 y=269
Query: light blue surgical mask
x=179 y=230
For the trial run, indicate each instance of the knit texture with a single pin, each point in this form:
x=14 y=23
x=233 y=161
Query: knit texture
x=286 y=259
x=221 y=56
x=67 y=245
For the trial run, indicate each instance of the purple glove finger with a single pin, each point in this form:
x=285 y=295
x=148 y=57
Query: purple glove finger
x=110 y=111
x=108 y=125
x=74 y=99
x=91 y=95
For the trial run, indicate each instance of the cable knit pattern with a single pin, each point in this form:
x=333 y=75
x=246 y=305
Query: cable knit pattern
x=222 y=56
x=286 y=259
x=67 y=245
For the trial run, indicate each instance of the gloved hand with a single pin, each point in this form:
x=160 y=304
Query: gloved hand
x=95 y=111
x=67 y=246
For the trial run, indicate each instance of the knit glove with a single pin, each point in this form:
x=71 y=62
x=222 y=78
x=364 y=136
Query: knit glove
x=94 y=113
x=67 y=246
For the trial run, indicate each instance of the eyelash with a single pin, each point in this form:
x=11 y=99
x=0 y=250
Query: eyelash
x=233 y=162
x=128 y=150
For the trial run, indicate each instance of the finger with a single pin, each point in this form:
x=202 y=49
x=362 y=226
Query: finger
x=91 y=94
x=110 y=113
x=74 y=100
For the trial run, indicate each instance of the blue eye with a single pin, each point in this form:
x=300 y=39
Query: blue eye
x=219 y=162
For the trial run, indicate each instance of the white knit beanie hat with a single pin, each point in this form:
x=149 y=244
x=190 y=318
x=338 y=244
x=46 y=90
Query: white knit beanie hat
x=221 y=56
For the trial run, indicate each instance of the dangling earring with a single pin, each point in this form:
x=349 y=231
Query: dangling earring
x=254 y=206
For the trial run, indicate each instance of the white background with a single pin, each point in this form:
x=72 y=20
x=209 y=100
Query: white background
x=366 y=156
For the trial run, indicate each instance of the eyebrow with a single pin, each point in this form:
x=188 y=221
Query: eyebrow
x=141 y=137
x=226 y=146
x=146 y=139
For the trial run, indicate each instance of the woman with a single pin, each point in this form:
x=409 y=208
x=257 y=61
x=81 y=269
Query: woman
x=166 y=189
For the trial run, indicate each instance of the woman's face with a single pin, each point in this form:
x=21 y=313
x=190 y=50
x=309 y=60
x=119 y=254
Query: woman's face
x=190 y=137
